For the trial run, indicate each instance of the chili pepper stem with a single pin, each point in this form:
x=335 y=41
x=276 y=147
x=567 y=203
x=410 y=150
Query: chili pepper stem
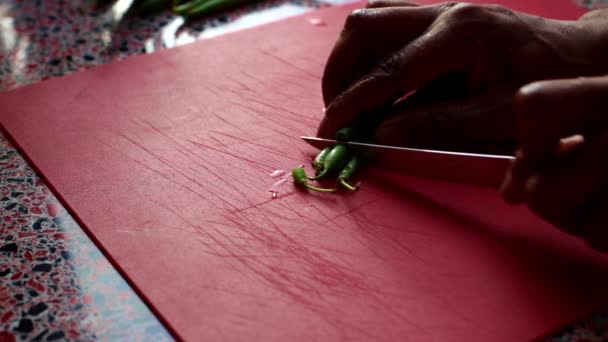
x=314 y=188
x=300 y=178
x=348 y=185
x=317 y=177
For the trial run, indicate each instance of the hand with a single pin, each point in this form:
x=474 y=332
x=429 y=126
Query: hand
x=561 y=169
x=465 y=61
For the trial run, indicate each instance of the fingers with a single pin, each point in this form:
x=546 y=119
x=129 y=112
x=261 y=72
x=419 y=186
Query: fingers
x=370 y=35
x=564 y=180
x=412 y=67
x=546 y=112
x=480 y=123
x=560 y=108
x=564 y=193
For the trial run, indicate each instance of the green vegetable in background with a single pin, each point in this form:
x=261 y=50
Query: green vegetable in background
x=186 y=8
x=199 y=8
x=182 y=7
x=301 y=180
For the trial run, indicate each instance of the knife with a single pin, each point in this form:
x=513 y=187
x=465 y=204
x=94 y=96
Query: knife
x=486 y=170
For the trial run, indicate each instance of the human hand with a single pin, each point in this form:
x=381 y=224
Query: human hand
x=466 y=61
x=561 y=169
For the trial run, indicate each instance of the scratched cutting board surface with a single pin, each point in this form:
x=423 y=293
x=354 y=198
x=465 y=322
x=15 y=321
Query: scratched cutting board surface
x=165 y=161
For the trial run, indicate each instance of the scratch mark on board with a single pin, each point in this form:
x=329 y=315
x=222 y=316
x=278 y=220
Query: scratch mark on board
x=290 y=64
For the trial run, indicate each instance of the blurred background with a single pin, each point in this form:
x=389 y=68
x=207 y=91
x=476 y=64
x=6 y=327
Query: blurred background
x=43 y=39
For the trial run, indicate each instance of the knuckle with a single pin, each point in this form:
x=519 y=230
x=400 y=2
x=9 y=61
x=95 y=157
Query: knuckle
x=499 y=10
x=476 y=13
x=446 y=6
x=466 y=11
x=359 y=18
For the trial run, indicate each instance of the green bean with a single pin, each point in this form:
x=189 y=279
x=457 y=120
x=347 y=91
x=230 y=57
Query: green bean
x=317 y=164
x=334 y=161
x=301 y=180
x=348 y=172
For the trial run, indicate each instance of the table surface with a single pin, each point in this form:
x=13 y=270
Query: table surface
x=55 y=284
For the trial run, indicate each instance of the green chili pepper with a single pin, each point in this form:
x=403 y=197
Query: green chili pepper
x=345 y=134
x=317 y=164
x=334 y=161
x=197 y=8
x=348 y=171
x=301 y=180
x=181 y=7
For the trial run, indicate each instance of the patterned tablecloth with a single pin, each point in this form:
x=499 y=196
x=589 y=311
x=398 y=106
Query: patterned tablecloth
x=55 y=284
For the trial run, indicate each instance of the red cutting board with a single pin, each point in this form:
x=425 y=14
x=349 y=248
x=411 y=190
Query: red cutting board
x=165 y=161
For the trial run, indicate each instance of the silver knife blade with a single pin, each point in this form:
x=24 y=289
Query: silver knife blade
x=468 y=168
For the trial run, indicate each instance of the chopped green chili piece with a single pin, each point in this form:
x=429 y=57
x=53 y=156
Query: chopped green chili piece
x=317 y=164
x=348 y=172
x=334 y=161
x=301 y=180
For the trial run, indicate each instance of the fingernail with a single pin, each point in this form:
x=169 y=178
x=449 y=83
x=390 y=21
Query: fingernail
x=569 y=144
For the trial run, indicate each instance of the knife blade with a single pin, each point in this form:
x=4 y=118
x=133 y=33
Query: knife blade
x=486 y=170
